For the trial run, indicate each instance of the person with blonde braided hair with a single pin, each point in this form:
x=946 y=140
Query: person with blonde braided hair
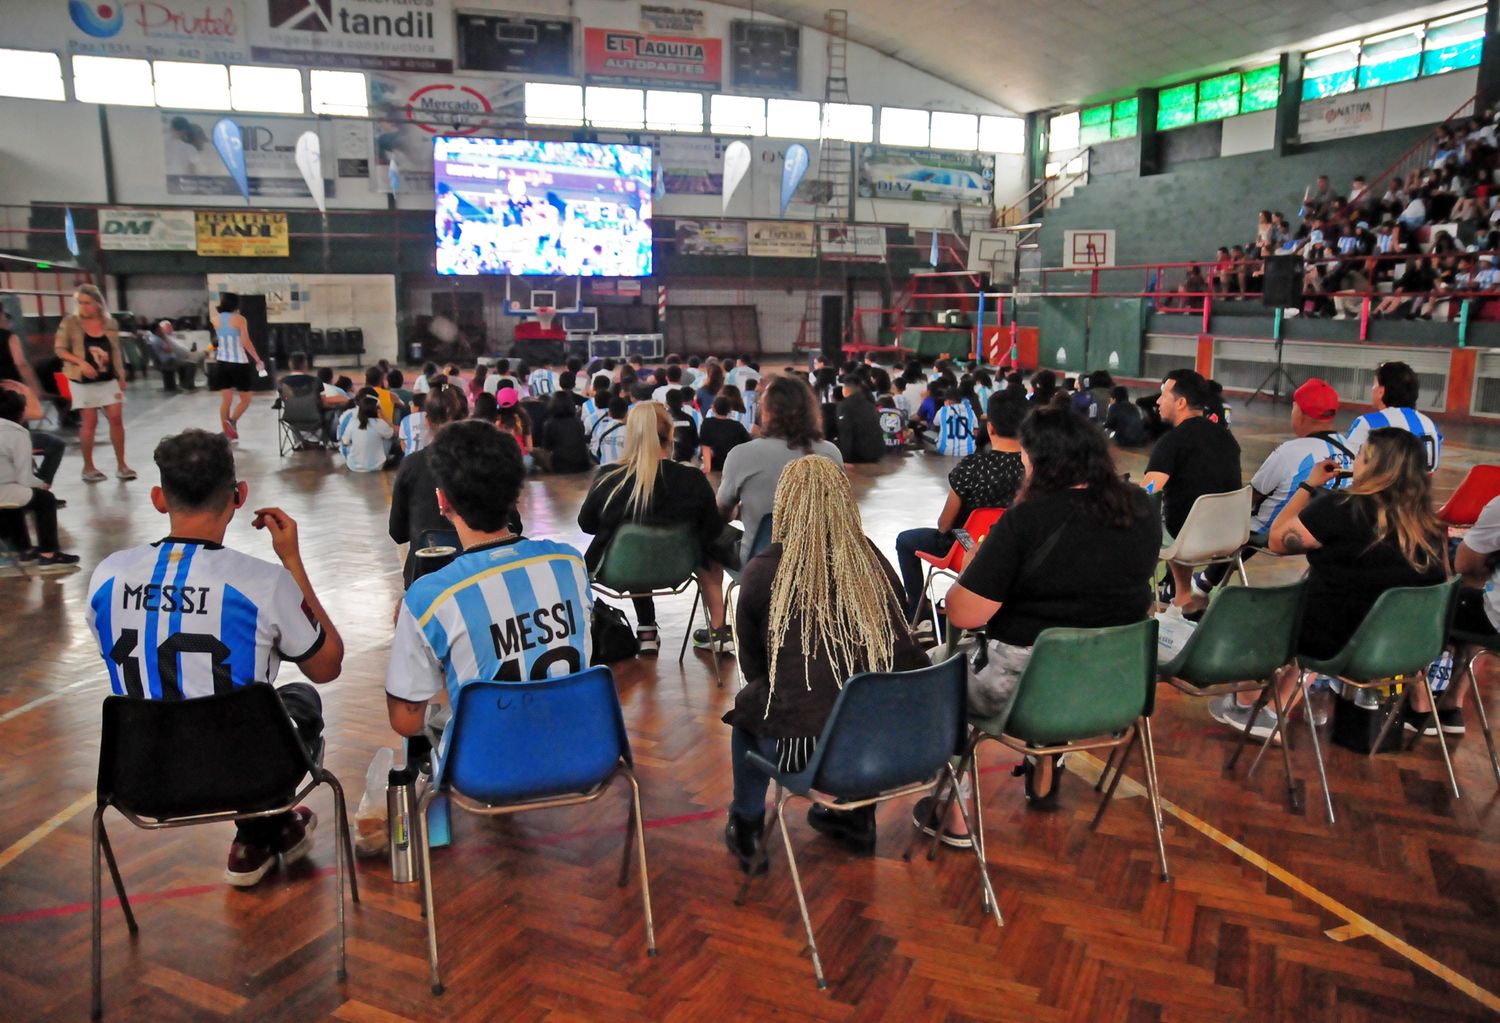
x=817 y=606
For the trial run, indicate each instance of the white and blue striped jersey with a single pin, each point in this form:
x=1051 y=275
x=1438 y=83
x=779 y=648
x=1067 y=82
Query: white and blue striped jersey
x=608 y=440
x=541 y=383
x=345 y=418
x=1408 y=419
x=231 y=347
x=957 y=429
x=414 y=432
x=1289 y=466
x=183 y=618
x=516 y=610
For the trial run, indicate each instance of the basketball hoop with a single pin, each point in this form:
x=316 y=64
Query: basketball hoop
x=544 y=315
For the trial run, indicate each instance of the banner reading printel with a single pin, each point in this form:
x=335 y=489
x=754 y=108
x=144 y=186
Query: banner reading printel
x=396 y=35
x=621 y=57
x=203 y=30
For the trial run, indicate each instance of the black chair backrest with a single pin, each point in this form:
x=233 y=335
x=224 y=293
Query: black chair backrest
x=234 y=751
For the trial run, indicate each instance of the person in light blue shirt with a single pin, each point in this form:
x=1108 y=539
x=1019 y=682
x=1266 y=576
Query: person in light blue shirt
x=956 y=427
x=1394 y=395
x=364 y=437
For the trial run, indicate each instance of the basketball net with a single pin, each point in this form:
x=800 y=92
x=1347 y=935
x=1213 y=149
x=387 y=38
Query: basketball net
x=545 y=315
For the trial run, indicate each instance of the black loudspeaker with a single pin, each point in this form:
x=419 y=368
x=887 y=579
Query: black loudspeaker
x=1283 y=282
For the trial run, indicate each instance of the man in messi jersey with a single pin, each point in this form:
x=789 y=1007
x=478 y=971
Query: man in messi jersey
x=1394 y=395
x=187 y=617
x=507 y=608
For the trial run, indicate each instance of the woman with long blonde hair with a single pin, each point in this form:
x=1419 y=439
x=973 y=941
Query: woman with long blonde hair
x=817 y=606
x=88 y=343
x=646 y=486
x=1378 y=534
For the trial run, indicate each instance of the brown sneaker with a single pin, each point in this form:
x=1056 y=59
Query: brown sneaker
x=297 y=837
x=248 y=864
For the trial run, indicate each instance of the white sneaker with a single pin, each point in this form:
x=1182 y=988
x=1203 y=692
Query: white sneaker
x=1227 y=711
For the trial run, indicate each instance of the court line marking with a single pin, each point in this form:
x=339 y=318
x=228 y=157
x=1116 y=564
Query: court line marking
x=1355 y=924
x=16 y=712
x=46 y=828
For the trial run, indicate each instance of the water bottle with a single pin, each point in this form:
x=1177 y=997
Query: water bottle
x=1366 y=699
x=400 y=807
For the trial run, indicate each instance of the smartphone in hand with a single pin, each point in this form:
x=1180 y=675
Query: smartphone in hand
x=964 y=539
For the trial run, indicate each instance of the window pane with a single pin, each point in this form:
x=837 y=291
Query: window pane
x=849 y=122
x=614 y=108
x=1218 y=97
x=1454 y=31
x=1176 y=107
x=1124 y=127
x=191 y=86
x=900 y=126
x=1262 y=88
x=954 y=131
x=1062 y=132
x=793 y=119
x=1401 y=69
x=674 y=111
x=275 y=90
x=113 y=80
x=1094 y=124
x=1328 y=85
x=339 y=93
x=1002 y=134
x=31 y=74
x=1325 y=62
x=736 y=115
x=1451 y=58
x=554 y=104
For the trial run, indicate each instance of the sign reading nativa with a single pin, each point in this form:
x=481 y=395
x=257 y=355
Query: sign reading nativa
x=631 y=58
x=1358 y=113
x=147 y=230
x=242 y=234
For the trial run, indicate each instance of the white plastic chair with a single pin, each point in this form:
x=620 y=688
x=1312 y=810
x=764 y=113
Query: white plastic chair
x=1217 y=528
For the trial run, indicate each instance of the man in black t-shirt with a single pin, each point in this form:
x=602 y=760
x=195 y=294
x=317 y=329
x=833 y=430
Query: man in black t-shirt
x=1195 y=457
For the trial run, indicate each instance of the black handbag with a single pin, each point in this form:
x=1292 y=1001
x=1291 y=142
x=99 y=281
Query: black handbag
x=613 y=638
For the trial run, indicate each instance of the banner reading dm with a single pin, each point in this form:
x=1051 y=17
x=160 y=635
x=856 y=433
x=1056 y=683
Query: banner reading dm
x=243 y=234
x=147 y=230
x=926 y=176
x=614 y=56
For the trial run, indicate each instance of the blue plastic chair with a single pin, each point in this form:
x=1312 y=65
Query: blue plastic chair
x=890 y=735
x=517 y=746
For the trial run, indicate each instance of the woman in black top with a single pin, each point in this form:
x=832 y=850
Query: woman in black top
x=721 y=433
x=563 y=434
x=817 y=606
x=646 y=486
x=1077 y=549
x=860 y=438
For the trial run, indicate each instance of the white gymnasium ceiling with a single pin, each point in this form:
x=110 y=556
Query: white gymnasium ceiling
x=1027 y=55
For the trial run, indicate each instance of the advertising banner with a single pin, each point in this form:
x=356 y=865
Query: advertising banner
x=780 y=238
x=852 y=243
x=242 y=234
x=711 y=238
x=672 y=21
x=147 y=230
x=1338 y=116
x=270 y=145
x=397 y=35
x=926 y=175
x=691 y=166
x=614 y=56
x=199 y=30
x=409 y=109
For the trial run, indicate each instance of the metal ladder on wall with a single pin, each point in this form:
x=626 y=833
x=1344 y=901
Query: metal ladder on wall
x=832 y=195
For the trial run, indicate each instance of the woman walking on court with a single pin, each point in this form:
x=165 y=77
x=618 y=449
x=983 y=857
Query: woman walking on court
x=236 y=363
x=88 y=343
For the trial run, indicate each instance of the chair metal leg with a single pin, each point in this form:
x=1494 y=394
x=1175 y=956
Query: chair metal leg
x=1260 y=701
x=1312 y=729
x=715 y=648
x=939 y=789
x=1286 y=750
x=1109 y=763
x=427 y=886
x=697 y=596
x=1148 y=758
x=1442 y=739
x=96 y=1003
x=926 y=582
x=1484 y=721
x=976 y=834
x=1239 y=564
x=1390 y=719
x=346 y=837
x=987 y=891
x=630 y=826
x=340 y=835
x=640 y=843
x=114 y=875
x=791 y=859
x=1135 y=735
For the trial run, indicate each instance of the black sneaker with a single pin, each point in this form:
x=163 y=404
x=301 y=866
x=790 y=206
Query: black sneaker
x=1419 y=721
x=1451 y=720
x=57 y=561
x=924 y=816
x=721 y=640
x=854 y=829
x=743 y=836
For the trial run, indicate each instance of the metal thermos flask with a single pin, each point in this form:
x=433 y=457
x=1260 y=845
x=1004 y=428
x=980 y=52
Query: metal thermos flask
x=401 y=809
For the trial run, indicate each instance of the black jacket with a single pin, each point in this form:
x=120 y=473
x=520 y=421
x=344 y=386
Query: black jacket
x=860 y=438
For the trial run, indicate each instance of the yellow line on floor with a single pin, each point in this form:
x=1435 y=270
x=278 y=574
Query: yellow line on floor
x=46 y=828
x=1355 y=925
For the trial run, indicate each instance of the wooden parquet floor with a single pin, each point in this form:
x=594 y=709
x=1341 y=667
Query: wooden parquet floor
x=1271 y=915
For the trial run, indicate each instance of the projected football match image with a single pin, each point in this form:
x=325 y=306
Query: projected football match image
x=516 y=207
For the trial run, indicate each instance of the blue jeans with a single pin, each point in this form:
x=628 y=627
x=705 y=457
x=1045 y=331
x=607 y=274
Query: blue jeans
x=750 y=784
x=908 y=544
x=52 y=447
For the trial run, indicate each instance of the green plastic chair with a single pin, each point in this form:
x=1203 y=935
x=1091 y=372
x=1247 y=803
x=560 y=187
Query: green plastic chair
x=1082 y=689
x=1404 y=632
x=655 y=561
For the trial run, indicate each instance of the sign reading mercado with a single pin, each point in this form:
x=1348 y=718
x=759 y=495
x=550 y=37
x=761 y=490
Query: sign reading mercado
x=619 y=57
x=242 y=234
x=409 y=109
x=927 y=176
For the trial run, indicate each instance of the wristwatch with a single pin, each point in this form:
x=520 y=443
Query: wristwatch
x=1312 y=491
